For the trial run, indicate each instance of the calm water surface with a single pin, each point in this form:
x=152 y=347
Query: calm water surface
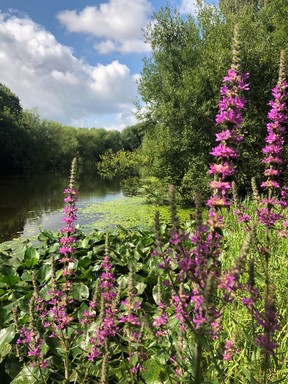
x=29 y=202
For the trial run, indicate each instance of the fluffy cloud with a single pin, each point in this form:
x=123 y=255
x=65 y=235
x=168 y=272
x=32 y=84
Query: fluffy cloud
x=118 y=23
x=192 y=6
x=47 y=76
x=189 y=6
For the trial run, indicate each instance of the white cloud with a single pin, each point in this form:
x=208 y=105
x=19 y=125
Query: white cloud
x=47 y=76
x=118 y=23
x=193 y=7
x=123 y=119
x=126 y=46
x=189 y=7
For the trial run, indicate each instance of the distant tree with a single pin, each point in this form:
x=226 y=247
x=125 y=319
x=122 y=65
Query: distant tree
x=9 y=102
x=122 y=164
x=112 y=141
x=59 y=144
x=132 y=136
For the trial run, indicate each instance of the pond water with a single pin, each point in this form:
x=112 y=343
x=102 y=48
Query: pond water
x=27 y=203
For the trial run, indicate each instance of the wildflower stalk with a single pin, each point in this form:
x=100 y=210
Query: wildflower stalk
x=104 y=367
x=268 y=212
x=198 y=254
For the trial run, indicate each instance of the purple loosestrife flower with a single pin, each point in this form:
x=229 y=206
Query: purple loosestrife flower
x=273 y=151
x=33 y=342
x=107 y=321
x=109 y=324
x=267 y=320
x=68 y=241
x=56 y=312
x=230 y=119
x=230 y=350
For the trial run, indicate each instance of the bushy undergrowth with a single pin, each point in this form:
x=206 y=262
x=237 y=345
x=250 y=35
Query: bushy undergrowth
x=142 y=350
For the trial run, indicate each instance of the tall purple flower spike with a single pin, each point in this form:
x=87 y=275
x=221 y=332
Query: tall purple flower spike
x=276 y=129
x=273 y=151
x=229 y=119
x=67 y=241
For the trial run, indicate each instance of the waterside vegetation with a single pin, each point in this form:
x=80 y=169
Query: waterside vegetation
x=204 y=301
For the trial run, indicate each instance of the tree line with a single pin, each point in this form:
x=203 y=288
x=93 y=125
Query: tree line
x=29 y=143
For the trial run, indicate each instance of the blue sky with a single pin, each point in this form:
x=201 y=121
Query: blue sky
x=77 y=61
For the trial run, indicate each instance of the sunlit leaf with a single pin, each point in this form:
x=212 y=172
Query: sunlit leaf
x=80 y=291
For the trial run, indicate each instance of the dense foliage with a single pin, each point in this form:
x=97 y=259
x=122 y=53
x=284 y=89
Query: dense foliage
x=154 y=346
x=180 y=83
x=29 y=143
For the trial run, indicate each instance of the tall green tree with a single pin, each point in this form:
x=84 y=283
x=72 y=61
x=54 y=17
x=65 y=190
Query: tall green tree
x=181 y=79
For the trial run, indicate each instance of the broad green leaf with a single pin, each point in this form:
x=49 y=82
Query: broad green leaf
x=54 y=248
x=26 y=276
x=6 y=335
x=85 y=262
x=80 y=291
x=140 y=287
x=10 y=280
x=25 y=377
x=4 y=350
x=12 y=365
x=84 y=243
x=155 y=294
x=31 y=257
x=44 y=273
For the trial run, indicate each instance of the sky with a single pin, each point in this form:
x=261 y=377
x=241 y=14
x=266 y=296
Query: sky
x=77 y=61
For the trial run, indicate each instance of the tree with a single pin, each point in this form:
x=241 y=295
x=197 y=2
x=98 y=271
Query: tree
x=9 y=102
x=132 y=136
x=180 y=84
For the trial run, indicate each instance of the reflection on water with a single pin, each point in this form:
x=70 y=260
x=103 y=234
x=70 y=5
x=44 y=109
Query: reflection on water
x=29 y=202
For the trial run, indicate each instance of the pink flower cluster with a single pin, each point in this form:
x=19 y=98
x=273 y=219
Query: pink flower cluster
x=267 y=320
x=196 y=255
x=229 y=119
x=273 y=156
x=67 y=241
x=33 y=342
x=108 y=322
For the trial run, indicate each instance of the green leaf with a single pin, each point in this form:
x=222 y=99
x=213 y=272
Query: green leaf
x=12 y=365
x=4 y=351
x=31 y=257
x=25 y=377
x=80 y=291
x=10 y=279
x=6 y=335
x=44 y=273
x=26 y=276
x=84 y=243
x=151 y=372
x=248 y=375
x=54 y=248
x=140 y=287
x=85 y=262
x=155 y=293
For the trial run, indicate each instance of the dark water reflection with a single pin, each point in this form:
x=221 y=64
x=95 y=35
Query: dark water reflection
x=27 y=202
